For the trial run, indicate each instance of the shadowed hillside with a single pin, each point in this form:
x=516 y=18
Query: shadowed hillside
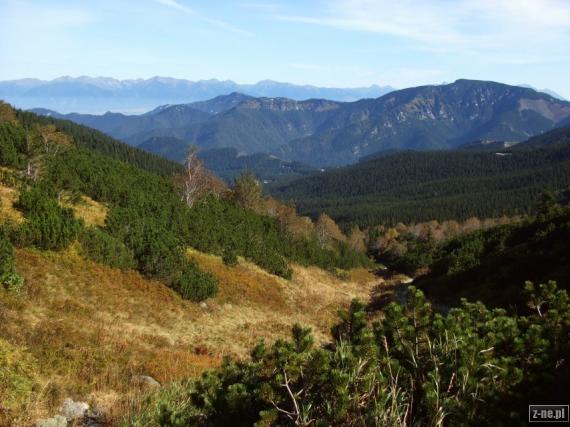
x=420 y=186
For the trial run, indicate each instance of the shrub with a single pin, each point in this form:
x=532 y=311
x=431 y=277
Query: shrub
x=101 y=247
x=12 y=140
x=159 y=253
x=473 y=366
x=273 y=263
x=194 y=284
x=48 y=225
x=8 y=276
x=156 y=250
x=6 y=255
x=229 y=258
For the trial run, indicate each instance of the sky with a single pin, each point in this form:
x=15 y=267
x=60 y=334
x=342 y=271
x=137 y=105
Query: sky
x=340 y=43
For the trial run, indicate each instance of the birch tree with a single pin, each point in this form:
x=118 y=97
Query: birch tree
x=195 y=177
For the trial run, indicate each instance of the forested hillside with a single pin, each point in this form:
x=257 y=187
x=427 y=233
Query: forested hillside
x=228 y=164
x=420 y=186
x=492 y=265
x=148 y=226
x=95 y=140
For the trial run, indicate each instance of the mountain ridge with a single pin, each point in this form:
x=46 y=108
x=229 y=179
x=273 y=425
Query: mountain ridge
x=324 y=133
x=434 y=117
x=90 y=95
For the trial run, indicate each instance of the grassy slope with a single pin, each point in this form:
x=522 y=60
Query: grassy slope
x=8 y=197
x=88 y=329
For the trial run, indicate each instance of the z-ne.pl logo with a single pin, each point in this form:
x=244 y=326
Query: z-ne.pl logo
x=548 y=413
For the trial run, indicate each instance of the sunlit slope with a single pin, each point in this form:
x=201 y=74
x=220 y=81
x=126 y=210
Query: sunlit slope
x=87 y=330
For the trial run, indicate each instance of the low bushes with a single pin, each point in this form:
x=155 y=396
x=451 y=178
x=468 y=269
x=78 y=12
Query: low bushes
x=194 y=284
x=103 y=248
x=48 y=225
x=472 y=366
x=8 y=276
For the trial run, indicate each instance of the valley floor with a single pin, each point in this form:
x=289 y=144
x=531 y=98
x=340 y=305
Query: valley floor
x=84 y=331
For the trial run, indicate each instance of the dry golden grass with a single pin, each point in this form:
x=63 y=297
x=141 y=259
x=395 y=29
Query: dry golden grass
x=8 y=196
x=90 y=329
x=92 y=212
x=253 y=304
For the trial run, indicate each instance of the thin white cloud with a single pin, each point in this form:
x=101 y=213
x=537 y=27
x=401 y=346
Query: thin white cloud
x=215 y=22
x=521 y=27
x=175 y=5
x=263 y=7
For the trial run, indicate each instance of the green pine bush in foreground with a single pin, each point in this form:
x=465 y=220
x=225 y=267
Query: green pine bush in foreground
x=49 y=226
x=103 y=248
x=471 y=366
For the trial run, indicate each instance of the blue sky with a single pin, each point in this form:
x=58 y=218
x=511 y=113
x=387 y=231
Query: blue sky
x=342 y=43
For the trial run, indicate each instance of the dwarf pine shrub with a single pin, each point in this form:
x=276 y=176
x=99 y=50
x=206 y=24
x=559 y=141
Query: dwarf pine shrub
x=472 y=366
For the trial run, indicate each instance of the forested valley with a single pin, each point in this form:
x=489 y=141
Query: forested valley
x=416 y=186
x=452 y=302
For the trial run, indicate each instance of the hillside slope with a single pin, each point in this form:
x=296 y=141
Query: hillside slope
x=492 y=265
x=418 y=361
x=98 y=283
x=87 y=331
x=149 y=223
x=420 y=186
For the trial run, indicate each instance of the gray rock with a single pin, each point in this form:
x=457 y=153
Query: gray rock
x=146 y=381
x=73 y=410
x=94 y=418
x=57 y=421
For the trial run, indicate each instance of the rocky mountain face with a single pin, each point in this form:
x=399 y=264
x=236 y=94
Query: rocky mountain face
x=432 y=117
x=265 y=125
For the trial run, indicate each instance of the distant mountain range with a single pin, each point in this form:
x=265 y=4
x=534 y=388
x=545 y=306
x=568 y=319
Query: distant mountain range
x=327 y=133
x=96 y=95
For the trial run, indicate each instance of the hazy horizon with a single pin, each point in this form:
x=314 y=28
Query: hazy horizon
x=135 y=79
